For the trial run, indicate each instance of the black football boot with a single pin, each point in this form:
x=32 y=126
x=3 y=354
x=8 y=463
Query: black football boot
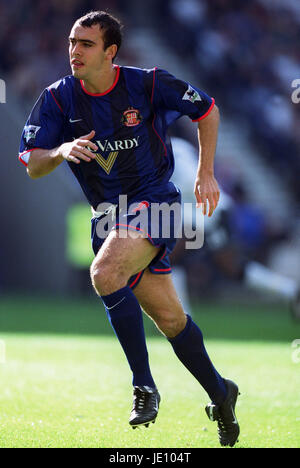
x=145 y=406
x=224 y=414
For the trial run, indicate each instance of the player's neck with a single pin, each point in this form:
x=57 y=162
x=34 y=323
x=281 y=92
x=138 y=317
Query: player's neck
x=101 y=82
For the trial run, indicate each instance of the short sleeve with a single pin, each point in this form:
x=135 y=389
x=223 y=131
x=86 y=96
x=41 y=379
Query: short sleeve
x=44 y=127
x=171 y=93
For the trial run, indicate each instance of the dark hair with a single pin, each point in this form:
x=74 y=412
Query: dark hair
x=110 y=26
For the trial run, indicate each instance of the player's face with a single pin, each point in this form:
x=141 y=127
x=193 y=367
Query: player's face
x=86 y=51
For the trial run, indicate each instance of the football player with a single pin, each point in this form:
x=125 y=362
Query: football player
x=109 y=123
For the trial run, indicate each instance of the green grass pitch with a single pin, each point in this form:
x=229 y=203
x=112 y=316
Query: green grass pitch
x=65 y=382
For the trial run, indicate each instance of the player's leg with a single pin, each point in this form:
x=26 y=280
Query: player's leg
x=180 y=281
x=158 y=298
x=117 y=260
x=179 y=274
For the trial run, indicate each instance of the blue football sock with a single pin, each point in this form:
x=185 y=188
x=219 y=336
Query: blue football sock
x=190 y=349
x=126 y=318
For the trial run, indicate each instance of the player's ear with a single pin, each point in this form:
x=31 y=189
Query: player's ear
x=111 y=51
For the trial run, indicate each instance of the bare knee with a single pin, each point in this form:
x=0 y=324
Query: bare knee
x=170 y=323
x=106 y=278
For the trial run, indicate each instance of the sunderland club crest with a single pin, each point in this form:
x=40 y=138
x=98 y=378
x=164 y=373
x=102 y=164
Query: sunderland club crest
x=131 y=117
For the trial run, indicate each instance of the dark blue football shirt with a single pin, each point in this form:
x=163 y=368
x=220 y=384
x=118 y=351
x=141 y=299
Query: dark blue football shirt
x=130 y=120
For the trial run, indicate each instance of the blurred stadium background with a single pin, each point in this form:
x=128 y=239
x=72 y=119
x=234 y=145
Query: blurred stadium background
x=245 y=54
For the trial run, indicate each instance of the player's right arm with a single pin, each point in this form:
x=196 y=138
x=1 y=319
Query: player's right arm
x=44 y=161
x=43 y=145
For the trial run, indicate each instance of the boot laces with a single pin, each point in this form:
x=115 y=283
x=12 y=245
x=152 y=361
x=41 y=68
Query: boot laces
x=140 y=400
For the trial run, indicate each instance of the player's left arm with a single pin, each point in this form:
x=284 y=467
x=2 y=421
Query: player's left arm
x=206 y=187
x=169 y=92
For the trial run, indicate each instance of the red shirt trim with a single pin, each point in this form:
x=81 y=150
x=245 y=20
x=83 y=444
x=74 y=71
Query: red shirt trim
x=206 y=113
x=154 y=115
x=24 y=152
x=55 y=100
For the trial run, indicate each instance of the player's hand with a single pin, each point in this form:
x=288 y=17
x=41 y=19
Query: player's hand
x=79 y=149
x=206 y=192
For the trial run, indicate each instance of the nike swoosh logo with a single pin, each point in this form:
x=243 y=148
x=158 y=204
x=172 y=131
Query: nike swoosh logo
x=73 y=121
x=115 y=305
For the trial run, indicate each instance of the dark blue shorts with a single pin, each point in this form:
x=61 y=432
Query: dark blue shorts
x=144 y=213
